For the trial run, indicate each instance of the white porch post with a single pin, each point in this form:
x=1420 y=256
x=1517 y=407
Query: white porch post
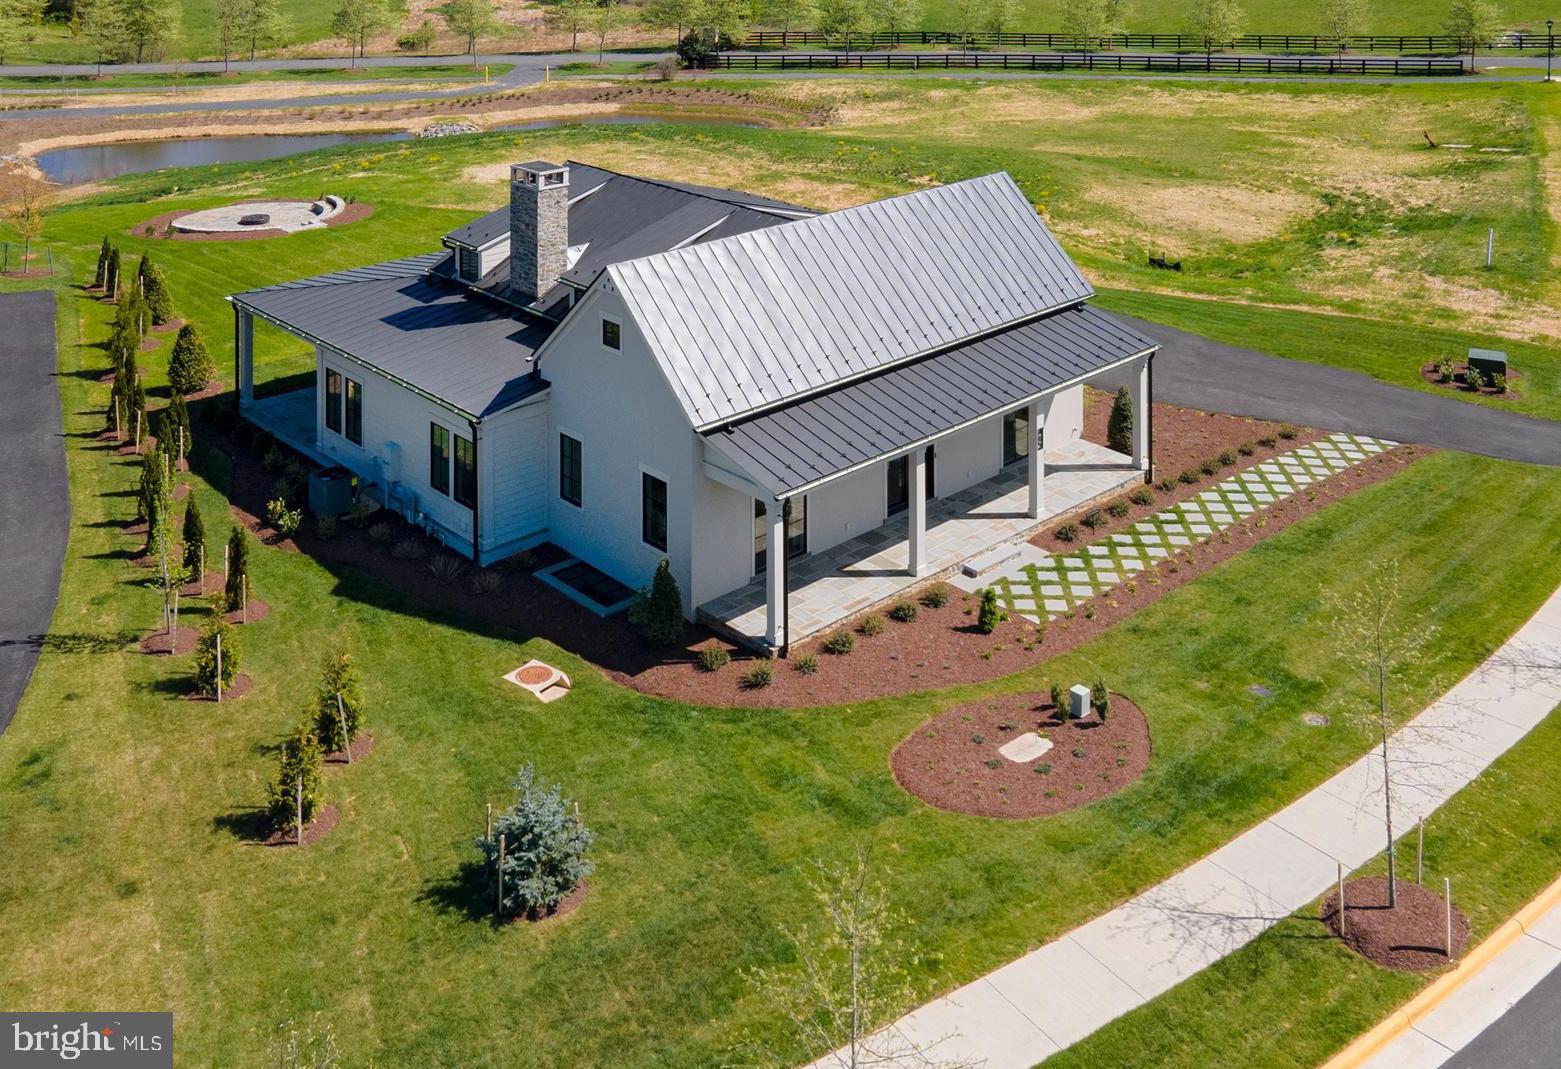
x=1139 y=389
x=775 y=574
x=917 y=512
x=1036 y=462
x=244 y=354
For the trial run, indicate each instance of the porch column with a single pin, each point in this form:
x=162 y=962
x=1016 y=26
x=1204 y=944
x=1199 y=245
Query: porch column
x=1036 y=461
x=244 y=354
x=775 y=575
x=917 y=512
x=1139 y=389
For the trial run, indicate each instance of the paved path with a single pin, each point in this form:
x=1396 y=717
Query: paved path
x=1056 y=995
x=1197 y=372
x=34 y=491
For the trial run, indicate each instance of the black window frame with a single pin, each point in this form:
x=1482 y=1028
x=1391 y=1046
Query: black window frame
x=352 y=410
x=469 y=258
x=612 y=334
x=439 y=458
x=571 y=473
x=463 y=484
x=1016 y=447
x=653 y=520
x=900 y=465
x=333 y=400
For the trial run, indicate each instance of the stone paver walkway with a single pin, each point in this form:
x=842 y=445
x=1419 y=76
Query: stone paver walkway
x=1055 y=996
x=1037 y=583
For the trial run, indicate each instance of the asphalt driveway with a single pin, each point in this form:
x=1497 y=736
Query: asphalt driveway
x=1194 y=371
x=34 y=492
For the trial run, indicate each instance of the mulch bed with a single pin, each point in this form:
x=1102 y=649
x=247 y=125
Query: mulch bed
x=361 y=747
x=952 y=761
x=1460 y=382
x=1183 y=439
x=168 y=327
x=182 y=641
x=1411 y=937
x=192 y=589
x=566 y=906
x=230 y=693
x=158 y=226
x=256 y=611
x=324 y=821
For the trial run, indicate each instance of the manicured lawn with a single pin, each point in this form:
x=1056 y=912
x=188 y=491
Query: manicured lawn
x=1497 y=841
x=126 y=884
x=211 y=79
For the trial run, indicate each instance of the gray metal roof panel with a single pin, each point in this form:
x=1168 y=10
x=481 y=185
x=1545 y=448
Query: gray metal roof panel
x=407 y=267
x=799 y=444
x=749 y=321
x=433 y=335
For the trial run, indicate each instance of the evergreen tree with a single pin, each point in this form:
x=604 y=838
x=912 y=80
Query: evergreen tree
x=991 y=613
x=143 y=271
x=238 y=567
x=111 y=282
x=658 y=613
x=190 y=368
x=194 y=537
x=159 y=300
x=299 y=760
x=1119 y=427
x=147 y=486
x=544 y=849
x=174 y=426
x=100 y=277
x=206 y=650
x=339 y=726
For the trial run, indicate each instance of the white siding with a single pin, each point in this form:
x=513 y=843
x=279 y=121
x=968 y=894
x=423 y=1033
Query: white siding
x=847 y=506
x=512 y=467
x=722 y=540
x=967 y=457
x=494 y=255
x=1064 y=415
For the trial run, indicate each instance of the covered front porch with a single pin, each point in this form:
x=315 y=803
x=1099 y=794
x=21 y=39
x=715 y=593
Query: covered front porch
x=875 y=567
x=291 y=418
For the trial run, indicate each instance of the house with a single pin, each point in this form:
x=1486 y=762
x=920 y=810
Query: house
x=804 y=413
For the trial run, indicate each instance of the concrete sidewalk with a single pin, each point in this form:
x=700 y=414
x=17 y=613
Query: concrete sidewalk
x=1056 y=995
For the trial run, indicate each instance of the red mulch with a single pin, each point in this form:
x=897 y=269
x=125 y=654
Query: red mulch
x=193 y=589
x=182 y=640
x=1411 y=937
x=566 y=906
x=1460 y=383
x=943 y=763
x=324 y=821
x=128 y=449
x=230 y=693
x=1183 y=438
x=158 y=226
x=148 y=344
x=254 y=612
x=361 y=747
x=168 y=327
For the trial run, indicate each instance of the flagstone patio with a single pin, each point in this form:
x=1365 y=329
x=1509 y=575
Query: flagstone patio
x=873 y=568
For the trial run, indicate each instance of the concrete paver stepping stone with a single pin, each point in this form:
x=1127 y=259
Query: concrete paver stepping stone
x=1025 y=748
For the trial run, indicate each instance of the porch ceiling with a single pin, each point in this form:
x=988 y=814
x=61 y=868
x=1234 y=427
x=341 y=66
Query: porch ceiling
x=800 y=445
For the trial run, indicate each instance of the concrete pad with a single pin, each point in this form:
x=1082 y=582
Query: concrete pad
x=1344 y=832
x=1490 y=993
x=1088 y=996
x=1273 y=862
x=1006 y=1039
x=1025 y=748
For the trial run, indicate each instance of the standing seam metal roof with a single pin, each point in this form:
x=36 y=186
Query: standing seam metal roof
x=748 y=321
x=800 y=444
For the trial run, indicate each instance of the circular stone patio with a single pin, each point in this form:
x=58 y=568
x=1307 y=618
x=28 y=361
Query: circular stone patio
x=287 y=216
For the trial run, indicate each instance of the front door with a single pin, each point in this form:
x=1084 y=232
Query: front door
x=899 y=485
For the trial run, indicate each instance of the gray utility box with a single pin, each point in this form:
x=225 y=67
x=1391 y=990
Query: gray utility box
x=332 y=491
x=1078 y=700
x=1488 y=362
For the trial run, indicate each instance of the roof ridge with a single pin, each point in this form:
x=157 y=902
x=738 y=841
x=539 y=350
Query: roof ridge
x=683 y=188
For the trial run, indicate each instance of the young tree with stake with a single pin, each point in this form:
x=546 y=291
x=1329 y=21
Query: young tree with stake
x=571 y=17
x=1217 y=22
x=472 y=19
x=1342 y=20
x=339 y=703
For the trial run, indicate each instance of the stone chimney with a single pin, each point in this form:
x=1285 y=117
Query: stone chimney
x=538 y=227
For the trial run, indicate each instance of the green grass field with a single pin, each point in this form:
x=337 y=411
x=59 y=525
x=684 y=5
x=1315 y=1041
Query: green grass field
x=211 y=80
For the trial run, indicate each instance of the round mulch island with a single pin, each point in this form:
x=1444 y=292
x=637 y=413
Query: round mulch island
x=161 y=643
x=231 y=693
x=254 y=611
x=1015 y=756
x=361 y=747
x=1411 y=937
x=568 y=905
x=314 y=831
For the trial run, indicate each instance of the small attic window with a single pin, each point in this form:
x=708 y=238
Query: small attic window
x=612 y=334
x=470 y=264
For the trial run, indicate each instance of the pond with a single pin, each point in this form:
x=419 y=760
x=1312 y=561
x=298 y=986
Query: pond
x=92 y=163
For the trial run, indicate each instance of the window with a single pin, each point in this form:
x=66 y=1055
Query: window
x=471 y=264
x=355 y=412
x=569 y=469
x=653 y=511
x=333 y=400
x=796 y=532
x=438 y=458
x=899 y=482
x=1016 y=436
x=612 y=334
x=465 y=472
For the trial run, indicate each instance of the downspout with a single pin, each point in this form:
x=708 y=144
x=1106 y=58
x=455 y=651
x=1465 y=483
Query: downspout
x=1149 y=420
x=785 y=566
x=476 y=494
x=238 y=385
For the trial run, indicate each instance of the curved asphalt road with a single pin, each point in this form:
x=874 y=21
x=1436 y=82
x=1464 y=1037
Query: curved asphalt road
x=1194 y=371
x=34 y=491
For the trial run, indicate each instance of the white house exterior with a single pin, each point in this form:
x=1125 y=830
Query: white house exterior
x=638 y=371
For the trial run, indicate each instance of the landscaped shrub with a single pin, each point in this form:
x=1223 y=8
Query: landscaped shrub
x=713 y=658
x=216 y=627
x=486 y=582
x=1189 y=476
x=173 y=426
x=936 y=597
x=1118 y=508
x=262 y=443
x=238 y=585
x=1142 y=496
x=1094 y=518
x=1444 y=369
x=1227 y=458
x=872 y=625
x=1268 y=441
x=339 y=678
x=159 y=299
x=407 y=549
x=446 y=567
x=903 y=612
x=190 y=369
x=658 y=611
x=1099 y=699
x=1059 y=697
x=283 y=520
x=362 y=511
x=807 y=664
x=300 y=764
x=1119 y=426
x=100 y=275
x=1209 y=467
x=545 y=845
x=379 y=534
x=1499 y=382
x=1246 y=449
x=1166 y=485
x=840 y=643
x=193 y=535
x=1288 y=431
x=991 y=613
x=274 y=460
x=761 y=675
x=1068 y=532
x=325 y=528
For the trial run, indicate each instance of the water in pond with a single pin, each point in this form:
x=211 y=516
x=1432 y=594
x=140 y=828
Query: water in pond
x=89 y=163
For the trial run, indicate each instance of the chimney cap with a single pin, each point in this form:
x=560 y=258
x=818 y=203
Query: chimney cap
x=540 y=172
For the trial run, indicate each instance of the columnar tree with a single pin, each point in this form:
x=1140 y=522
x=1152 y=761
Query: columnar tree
x=216 y=628
x=100 y=276
x=193 y=536
x=295 y=792
x=472 y=19
x=544 y=849
x=190 y=368
x=173 y=426
x=339 y=701
x=159 y=299
x=1119 y=426
x=111 y=276
x=658 y=612
x=238 y=586
x=1216 y=22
